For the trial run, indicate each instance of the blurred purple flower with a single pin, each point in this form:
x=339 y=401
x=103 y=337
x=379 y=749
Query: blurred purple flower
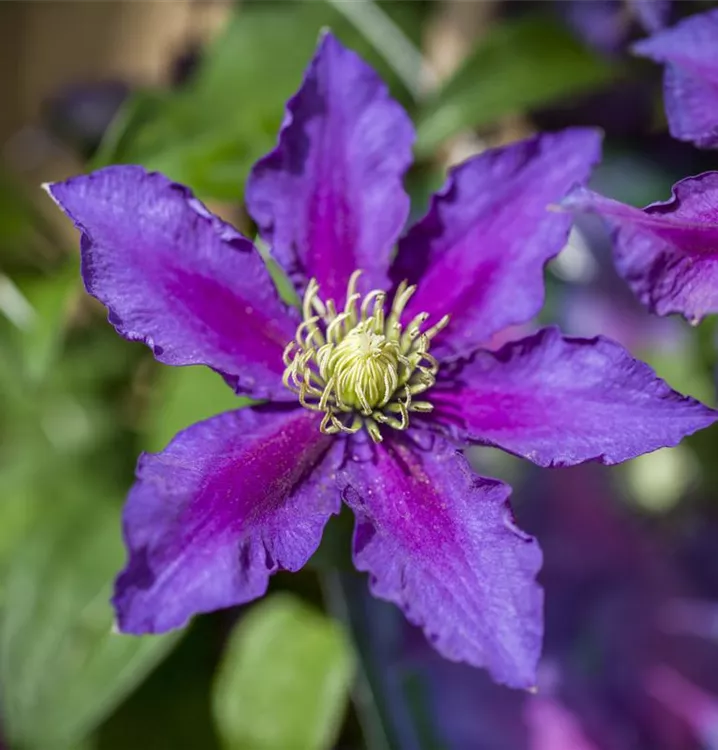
x=668 y=251
x=80 y=114
x=235 y=498
x=613 y=675
x=690 y=52
x=652 y=14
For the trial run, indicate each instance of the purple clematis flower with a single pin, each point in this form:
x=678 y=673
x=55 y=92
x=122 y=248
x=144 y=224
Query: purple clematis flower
x=690 y=52
x=668 y=251
x=368 y=399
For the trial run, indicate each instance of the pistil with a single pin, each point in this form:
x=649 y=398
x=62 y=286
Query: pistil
x=358 y=366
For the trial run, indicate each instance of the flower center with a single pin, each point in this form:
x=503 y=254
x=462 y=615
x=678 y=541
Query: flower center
x=359 y=366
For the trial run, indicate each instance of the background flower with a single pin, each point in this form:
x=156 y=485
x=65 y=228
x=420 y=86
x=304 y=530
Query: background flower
x=666 y=251
x=691 y=77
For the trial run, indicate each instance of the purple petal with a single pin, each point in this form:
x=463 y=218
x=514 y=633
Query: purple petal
x=668 y=251
x=479 y=253
x=691 y=107
x=602 y=24
x=329 y=199
x=553 y=726
x=681 y=697
x=441 y=543
x=653 y=14
x=178 y=278
x=229 y=502
x=690 y=52
x=561 y=401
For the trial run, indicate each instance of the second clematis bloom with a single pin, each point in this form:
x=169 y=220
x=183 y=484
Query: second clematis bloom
x=667 y=252
x=374 y=383
x=689 y=51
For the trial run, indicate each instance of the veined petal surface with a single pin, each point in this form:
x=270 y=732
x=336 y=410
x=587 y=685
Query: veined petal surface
x=178 y=278
x=479 y=253
x=229 y=502
x=668 y=251
x=440 y=542
x=560 y=401
x=329 y=199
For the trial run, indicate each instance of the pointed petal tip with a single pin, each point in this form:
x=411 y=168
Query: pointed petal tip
x=475 y=203
x=576 y=200
x=325 y=33
x=48 y=187
x=486 y=612
x=327 y=156
x=230 y=501
x=641 y=48
x=178 y=278
x=536 y=377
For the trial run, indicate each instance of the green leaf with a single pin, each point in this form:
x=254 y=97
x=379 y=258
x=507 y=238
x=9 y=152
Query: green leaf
x=521 y=64
x=26 y=240
x=209 y=133
x=183 y=396
x=284 y=680
x=62 y=668
x=49 y=298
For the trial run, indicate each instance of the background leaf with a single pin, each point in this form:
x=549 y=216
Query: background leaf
x=285 y=679
x=209 y=133
x=62 y=667
x=185 y=395
x=522 y=64
x=50 y=298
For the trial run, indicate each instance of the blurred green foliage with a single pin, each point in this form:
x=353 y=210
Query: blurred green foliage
x=284 y=680
x=209 y=133
x=182 y=396
x=521 y=65
x=61 y=665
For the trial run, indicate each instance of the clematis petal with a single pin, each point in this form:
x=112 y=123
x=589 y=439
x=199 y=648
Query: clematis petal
x=607 y=24
x=653 y=14
x=229 y=502
x=668 y=251
x=553 y=726
x=178 y=278
x=560 y=401
x=440 y=542
x=479 y=253
x=681 y=697
x=329 y=199
x=690 y=53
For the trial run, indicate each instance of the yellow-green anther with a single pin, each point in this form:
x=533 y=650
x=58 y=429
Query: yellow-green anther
x=360 y=367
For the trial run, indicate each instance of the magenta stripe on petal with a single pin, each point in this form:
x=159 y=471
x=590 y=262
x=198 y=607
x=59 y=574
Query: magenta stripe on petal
x=440 y=542
x=329 y=199
x=479 y=253
x=178 y=278
x=668 y=251
x=229 y=502
x=561 y=401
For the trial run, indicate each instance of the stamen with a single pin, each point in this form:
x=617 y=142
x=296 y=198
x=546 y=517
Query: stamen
x=361 y=367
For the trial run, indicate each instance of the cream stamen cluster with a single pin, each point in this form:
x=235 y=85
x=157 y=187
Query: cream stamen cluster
x=360 y=367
